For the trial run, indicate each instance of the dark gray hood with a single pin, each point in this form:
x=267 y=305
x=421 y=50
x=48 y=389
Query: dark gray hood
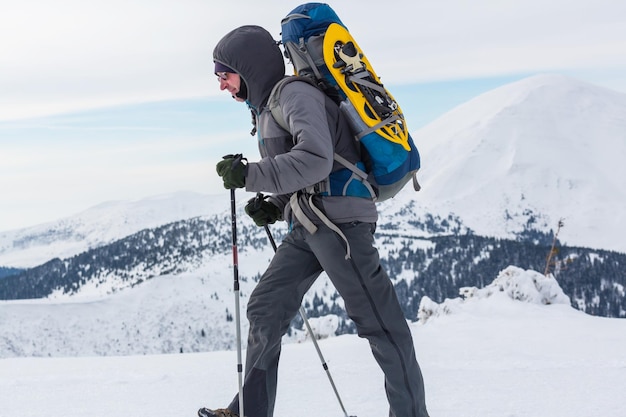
x=255 y=56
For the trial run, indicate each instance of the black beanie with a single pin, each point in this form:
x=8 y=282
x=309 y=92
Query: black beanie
x=219 y=67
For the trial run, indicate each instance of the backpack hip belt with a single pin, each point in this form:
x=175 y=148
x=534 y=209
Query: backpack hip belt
x=294 y=203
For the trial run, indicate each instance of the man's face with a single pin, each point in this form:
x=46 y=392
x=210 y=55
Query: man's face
x=230 y=82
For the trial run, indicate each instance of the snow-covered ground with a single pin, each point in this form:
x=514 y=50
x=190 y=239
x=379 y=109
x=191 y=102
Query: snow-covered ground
x=501 y=353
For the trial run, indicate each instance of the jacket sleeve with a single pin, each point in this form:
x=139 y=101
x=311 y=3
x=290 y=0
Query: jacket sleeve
x=310 y=158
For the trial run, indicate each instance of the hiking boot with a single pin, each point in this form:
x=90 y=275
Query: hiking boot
x=220 y=412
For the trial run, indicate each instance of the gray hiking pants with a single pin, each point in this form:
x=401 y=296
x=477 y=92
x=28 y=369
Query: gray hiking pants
x=370 y=301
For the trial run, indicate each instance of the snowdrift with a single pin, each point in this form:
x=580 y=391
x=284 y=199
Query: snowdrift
x=512 y=284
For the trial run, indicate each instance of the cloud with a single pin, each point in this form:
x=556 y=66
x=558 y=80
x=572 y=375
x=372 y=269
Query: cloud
x=46 y=180
x=67 y=54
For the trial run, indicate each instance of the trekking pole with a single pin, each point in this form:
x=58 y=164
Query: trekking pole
x=310 y=331
x=233 y=217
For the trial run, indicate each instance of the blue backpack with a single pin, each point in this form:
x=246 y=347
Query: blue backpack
x=324 y=54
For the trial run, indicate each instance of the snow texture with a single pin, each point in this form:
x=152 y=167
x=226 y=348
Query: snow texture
x=498 y=354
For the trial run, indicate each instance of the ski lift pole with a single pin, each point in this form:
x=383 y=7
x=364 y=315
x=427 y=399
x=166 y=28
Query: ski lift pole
x=310 y=331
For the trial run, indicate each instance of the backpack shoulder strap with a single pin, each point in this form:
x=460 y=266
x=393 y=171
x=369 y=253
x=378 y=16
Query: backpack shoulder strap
x=273 y=102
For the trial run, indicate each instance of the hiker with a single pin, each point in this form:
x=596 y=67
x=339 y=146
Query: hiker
x=248 y=64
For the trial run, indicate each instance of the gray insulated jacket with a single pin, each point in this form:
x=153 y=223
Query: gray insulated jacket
x=296 y=160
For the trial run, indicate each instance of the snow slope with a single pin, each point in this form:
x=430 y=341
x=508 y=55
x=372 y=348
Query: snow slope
x=166 y=314
x=547 y=144
x=493 y=356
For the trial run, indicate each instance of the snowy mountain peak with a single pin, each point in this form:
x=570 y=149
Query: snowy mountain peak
x=547 y=145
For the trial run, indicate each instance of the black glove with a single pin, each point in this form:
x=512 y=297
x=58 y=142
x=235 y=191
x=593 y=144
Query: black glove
x=232 y=171
x=262 y=212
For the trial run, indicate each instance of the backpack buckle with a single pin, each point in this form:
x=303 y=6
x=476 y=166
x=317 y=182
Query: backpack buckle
x=321 y=188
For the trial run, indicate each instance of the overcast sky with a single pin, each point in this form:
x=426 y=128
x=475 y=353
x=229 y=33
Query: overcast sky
x=88 y=88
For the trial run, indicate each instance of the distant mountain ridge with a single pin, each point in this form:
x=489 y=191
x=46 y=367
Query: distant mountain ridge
x=115 y=300
x=423 y=255
x=98 y=226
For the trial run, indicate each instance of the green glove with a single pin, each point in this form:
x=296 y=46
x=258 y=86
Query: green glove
x=232 y=171
x=262 y=212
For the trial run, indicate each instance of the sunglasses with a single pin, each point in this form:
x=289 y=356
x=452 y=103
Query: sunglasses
x=223 y=76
